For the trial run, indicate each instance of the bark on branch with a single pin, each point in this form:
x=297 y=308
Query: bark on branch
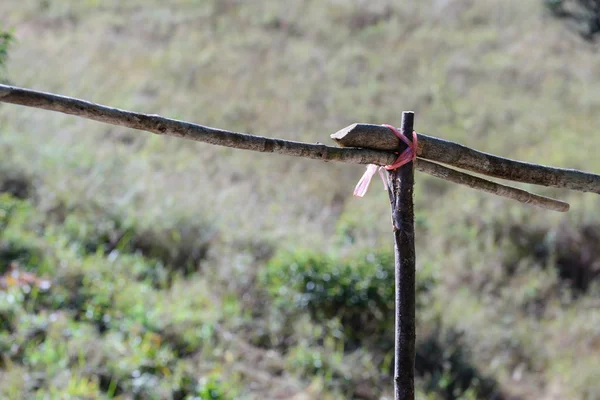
x=380 y=138
x=498 y=189
x=171 y=127
x=401 y=192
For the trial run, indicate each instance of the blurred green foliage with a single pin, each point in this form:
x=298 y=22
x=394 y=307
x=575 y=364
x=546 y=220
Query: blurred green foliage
x=159 y=267
x=98 y=316
x=357 y=289
x=442 y=359
x=6 y=40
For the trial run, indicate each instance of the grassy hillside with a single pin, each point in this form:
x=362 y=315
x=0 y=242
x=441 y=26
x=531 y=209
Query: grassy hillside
x=164 y=268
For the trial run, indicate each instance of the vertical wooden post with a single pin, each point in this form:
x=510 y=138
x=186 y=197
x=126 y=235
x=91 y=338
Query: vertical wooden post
x=401 y=185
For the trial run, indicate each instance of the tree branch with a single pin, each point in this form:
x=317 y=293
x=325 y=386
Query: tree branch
x=378 y=137
x=498 y=189
x=165 y=126
x=171 y=127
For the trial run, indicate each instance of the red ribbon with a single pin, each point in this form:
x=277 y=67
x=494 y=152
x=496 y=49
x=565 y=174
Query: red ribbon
x=408 y=155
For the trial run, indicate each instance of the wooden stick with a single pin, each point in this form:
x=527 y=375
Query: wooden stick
x=171 y=127
x=498 y=189
x=378 y=137
x=403 y=217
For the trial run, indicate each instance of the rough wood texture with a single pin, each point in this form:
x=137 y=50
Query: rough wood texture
x=498 y=189
x=165 y=126
x=380 y=138
x=403 y=217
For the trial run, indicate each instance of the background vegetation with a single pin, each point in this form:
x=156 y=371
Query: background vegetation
x=136 y=266
x=582 y=15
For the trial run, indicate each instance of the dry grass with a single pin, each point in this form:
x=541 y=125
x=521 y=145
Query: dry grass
x=503 y=77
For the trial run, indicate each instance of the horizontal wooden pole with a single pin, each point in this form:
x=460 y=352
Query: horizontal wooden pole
x=165 y=126
x=186 y=130
x=378 y=137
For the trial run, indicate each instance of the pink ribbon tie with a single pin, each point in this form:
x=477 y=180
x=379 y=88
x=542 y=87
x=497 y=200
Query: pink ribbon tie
x=408 y=155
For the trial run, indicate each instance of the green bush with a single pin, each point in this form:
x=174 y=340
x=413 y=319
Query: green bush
x=113 y=332
x=19 y=246
x=358 y=290
x=444 y=366
x=6 y=40
x=211 y=388
x=178 y=246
